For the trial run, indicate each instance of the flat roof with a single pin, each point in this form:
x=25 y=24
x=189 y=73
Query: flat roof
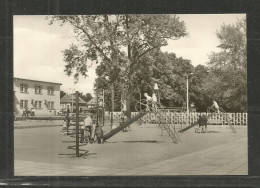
x=37 y=81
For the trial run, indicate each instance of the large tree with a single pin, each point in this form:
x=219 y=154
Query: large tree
x=117 y=42
x=165 y=69
x=228 y=68
x=198 y=92
x=169 y=72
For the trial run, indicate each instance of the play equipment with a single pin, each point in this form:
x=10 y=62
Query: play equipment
x=213 y=111
x=147 y=106
x=162 y=120
x=123 y=125
x=221 y=111
x=164 y=123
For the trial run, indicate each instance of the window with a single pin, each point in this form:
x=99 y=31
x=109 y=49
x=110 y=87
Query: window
x=23 y=103
x=50 y=90
x=50 y=105
x=26 y=103
x=38 y=104
x=23 y=88
x=38 y=89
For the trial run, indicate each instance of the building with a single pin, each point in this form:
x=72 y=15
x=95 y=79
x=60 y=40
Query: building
x=66 y=103
x=93 y=102
x=43 y=96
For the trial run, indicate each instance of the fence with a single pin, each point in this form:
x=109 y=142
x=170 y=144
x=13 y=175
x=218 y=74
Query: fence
x=183 y=118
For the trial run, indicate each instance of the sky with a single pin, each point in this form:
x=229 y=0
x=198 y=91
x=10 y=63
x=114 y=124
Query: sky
x=38 y=47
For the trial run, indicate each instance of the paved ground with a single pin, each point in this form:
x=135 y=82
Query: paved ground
x=36 y=123
x=141 y=151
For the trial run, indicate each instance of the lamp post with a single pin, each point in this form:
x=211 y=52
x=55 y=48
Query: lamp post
x=188 y=91
x=77 y=124
x=75 y=89
x=72 y=91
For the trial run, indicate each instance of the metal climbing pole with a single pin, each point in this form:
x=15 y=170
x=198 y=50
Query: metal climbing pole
x=77 y=124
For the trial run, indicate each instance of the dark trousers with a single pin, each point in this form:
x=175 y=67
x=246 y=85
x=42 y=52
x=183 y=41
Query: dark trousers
x=24 y=114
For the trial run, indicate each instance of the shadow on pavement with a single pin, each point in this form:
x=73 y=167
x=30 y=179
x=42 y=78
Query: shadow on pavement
x=212 y=132
x=67 y=154
x=142 y=141
x=68 y=141
x=110 y=142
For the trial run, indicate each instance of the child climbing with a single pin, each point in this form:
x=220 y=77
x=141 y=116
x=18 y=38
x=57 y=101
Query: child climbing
x=215 y=105
x=150 y=100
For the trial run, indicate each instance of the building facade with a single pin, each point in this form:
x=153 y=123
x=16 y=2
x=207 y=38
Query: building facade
x=43 y=96
x=66 y=103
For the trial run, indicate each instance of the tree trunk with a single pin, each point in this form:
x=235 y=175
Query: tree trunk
x=128 y=103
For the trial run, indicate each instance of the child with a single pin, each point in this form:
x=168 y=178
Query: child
x=64 y=128
x=215 y=105
x=99 y=134
x=148 y=100
x=87 y=134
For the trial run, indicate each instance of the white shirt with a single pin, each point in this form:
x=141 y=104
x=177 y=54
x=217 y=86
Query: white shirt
x=148 y=97
x=154 y=97
x=88 y=121
x=215 y=104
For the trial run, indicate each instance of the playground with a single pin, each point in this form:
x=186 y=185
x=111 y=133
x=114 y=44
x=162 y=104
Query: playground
x=153 y=141
x=151 y=113
x=44 y=151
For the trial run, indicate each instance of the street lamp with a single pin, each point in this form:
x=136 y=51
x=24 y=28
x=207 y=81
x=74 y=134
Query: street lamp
x=188 y=91
x=72 y=91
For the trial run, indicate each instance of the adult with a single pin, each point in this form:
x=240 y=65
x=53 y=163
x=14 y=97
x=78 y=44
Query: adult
x=215 y=105
x=24 y=112
x=27 y=111
x=67 y=119
x=88 y=122
x=32 y=112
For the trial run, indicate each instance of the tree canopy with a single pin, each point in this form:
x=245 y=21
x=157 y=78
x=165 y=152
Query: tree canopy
x=117 y=42
x=228 y=68
x=127 y=50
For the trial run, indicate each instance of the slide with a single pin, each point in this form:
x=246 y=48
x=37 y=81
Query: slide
x=124 y=125
x=192 y=125
x=188 y=127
